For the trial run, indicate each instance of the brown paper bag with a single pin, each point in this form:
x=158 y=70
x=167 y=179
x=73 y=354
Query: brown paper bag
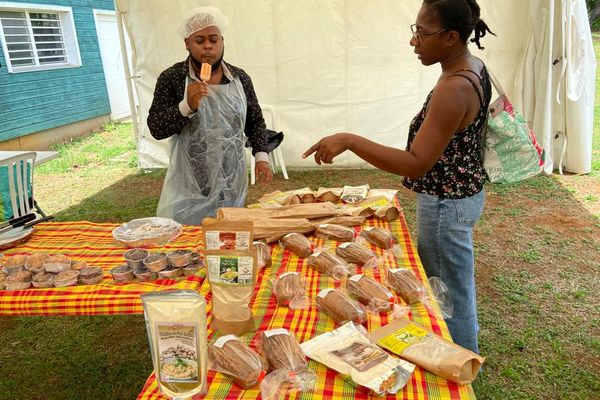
x=432 y=352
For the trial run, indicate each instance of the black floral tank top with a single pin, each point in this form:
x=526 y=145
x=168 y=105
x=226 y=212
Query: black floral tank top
x=459 y=172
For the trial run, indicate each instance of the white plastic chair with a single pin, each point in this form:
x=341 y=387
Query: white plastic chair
x=275 y=157
x=20 y=183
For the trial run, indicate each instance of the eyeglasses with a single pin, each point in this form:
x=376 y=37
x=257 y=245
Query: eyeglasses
x=416 y=34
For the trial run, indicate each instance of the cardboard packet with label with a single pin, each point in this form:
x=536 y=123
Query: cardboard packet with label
x=432 y=352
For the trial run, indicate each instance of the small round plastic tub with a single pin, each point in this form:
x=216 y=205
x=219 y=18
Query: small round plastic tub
x=35 y=262
x=145 y=275
x=135 y=257
x=91 y=275
x=192 y=268
x=57 y=263
x=79 y=265
x=43 y=280
x=122 y=273
x=13 y=283
x=170 y=272
x=180 y=258
x=156 y=262
x=66 y=278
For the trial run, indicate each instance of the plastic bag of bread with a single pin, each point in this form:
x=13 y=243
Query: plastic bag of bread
x=376 y=297
x=290 y=290
x=432 y=352
x=328 y=264
x=263 y=255
x=404 y=282
x=335 y=232
x=350 y=352
x=355 y=253
x=380 y=237
x=298 y=244
x=340 y=307
x=281 y=350
x=230 y=356
x=277 y=383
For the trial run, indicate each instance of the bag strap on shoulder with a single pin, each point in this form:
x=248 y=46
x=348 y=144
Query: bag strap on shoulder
x=496 y=83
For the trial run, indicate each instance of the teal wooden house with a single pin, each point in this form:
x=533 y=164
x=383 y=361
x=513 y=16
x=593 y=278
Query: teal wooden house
x=53 y=84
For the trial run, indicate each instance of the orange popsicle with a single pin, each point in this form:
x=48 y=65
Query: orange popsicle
x=205 y=71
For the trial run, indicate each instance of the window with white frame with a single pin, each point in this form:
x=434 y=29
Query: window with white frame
x=38 y=37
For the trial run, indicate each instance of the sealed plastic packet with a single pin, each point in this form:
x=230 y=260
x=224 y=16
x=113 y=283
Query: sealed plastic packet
x=355 y=253
x=290 y=290
x=349 y=352
x=287 y=363
x=263 y=255
x=335 y=232
x=232 y=276
x=416 y=344
x=230 y=356
x=376 y=297
x=382 y=238
x=404 y=282
x=328 y=264
x=298 y=244
x=176 y=325
x=340 y=307
x=354 y=194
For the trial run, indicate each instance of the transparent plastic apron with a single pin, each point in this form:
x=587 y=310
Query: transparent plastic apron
x=207 y=169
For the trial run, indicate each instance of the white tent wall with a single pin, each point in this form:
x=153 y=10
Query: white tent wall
x=346 y=65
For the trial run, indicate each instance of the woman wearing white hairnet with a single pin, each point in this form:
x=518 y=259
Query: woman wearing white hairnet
x=208 y=122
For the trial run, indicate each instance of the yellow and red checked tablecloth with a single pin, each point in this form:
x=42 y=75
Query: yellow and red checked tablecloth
x=305 y=324
x=94 y=244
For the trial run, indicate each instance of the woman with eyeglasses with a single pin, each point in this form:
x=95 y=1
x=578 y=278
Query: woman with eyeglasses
x=442 y=162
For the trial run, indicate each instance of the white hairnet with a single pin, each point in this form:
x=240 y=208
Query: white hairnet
x=203 y=17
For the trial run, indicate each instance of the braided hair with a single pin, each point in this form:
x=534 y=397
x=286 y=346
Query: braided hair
x=462 y=16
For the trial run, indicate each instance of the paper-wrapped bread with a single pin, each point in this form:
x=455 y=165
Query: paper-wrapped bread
x=233 y=358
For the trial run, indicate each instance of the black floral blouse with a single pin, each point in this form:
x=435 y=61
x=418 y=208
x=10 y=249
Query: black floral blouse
x=459 y=173
x=165 y=119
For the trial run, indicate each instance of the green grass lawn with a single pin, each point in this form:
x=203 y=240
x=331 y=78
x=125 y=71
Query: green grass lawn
x=538 y=268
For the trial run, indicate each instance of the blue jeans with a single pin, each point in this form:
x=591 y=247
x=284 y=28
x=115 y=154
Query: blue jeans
x=445 y=245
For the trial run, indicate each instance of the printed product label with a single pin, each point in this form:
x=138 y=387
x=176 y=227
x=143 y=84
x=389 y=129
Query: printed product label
x=286 y=274
x=361 y=356
x=356 y=277
x=324 y=292
x=278 y=331
x=224 y=339
x=218 y=240
x=402 y=338
x=316 y=254
x=178 y=351
x=230 y=270
x=344 y=245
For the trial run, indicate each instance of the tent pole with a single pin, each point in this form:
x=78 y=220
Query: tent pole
x=134 y=115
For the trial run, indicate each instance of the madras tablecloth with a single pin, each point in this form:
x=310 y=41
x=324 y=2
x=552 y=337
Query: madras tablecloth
x=94 y=244
x=305 y=324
